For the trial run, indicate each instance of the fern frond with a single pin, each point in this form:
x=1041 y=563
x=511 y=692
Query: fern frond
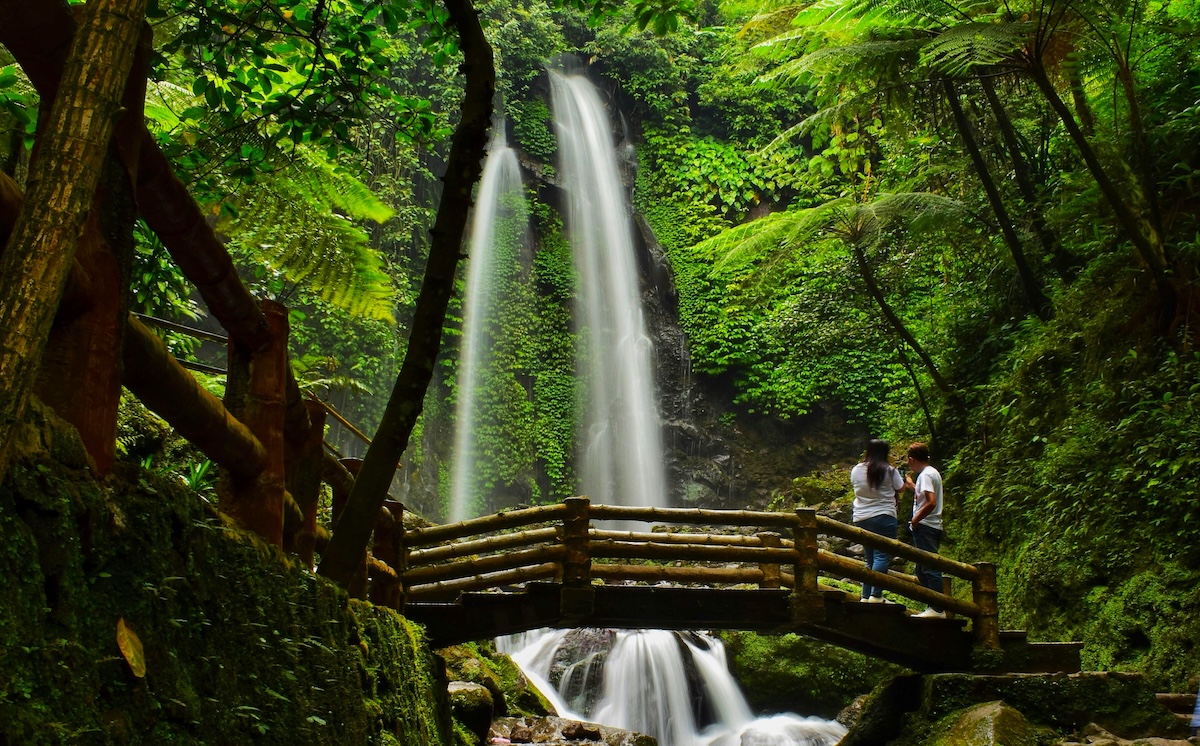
x=780 y=231
x=959 y=50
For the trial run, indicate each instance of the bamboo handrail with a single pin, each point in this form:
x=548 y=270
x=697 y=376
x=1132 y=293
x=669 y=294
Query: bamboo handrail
x=659 y=537
x=461 y=549
x=857 y=571
x=506 y=519
x=899 y=548
x=692 y=515
x=654 y=574
x=699 y=552
x=479 y=582
x=465 y=568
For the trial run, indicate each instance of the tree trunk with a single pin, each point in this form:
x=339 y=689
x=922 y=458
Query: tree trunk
x=1046 y=235
x=1149 y=248
x=1141 y=147
x=62 y=182
x=1033 y=291
x=869 y=278
x=353 y=530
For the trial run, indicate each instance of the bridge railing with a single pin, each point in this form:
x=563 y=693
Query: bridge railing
x=560 y=542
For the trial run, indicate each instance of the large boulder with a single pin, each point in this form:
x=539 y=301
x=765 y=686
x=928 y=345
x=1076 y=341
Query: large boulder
x=989 y=724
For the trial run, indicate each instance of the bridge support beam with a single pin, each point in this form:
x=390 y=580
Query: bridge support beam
x=577 y=599
x=807 y=602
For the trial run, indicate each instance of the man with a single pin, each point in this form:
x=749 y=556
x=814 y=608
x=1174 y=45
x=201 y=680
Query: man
x=926 y=522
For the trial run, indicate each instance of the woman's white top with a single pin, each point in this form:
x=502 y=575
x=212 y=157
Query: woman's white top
x=868 y=502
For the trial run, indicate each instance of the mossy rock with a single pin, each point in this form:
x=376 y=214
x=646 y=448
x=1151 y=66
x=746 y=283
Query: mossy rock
x=988 y=724
x=480 y=663
x=791 y=673
x=240 y=643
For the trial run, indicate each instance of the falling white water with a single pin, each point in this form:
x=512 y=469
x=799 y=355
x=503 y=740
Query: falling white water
x=499 y=187
x=645 y=687
x=622 y=461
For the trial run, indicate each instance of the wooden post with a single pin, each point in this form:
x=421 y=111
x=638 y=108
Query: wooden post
x=401 y=553
x=577 y=598
x=341 y=493
x=256 y=395
x=983 y=590
x=384 y=550
x=770 y=570
x=302 y=466
x=808 y=604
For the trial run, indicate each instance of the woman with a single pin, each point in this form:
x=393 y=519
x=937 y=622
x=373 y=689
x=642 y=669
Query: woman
x=877 y=485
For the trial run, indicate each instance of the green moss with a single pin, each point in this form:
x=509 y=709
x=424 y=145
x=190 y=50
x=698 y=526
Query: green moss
x=790 y=673
x=241 y=644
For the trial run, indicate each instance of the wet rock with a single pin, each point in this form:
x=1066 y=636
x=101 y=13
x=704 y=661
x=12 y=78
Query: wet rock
x=1095 y=735
x=555 y=731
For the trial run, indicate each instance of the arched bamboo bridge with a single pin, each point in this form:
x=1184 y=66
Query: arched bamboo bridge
x=550 y=566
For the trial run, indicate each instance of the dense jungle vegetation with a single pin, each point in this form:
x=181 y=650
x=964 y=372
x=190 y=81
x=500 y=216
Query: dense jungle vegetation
x=968 y=223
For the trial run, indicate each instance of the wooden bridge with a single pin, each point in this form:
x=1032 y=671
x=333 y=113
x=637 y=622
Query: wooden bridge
x=550 y=566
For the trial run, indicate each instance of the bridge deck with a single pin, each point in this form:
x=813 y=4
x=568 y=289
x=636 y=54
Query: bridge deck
x=881 y=630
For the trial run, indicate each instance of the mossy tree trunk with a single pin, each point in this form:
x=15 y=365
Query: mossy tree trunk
x=62 y=183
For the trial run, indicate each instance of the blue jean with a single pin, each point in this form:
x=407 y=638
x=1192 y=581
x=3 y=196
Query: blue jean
x=928 y=539
x=877 y=559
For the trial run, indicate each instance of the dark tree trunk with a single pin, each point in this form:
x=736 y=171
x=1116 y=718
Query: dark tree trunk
x=1029 y=284
x=62 y=183
x=1149 y=248
x=343 y=556
x=1046 y=235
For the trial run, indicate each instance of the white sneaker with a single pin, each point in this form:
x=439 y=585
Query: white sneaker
x=872 y=600
x=931 y=614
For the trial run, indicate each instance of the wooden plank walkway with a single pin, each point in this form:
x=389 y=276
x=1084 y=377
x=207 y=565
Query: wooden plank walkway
x=541 y=567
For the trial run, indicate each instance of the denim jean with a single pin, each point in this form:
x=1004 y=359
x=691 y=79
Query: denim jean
x=928 y=539
x=877 y=559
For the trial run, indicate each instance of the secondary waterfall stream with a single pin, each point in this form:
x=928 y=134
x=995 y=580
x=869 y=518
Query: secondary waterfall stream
x=500 y=197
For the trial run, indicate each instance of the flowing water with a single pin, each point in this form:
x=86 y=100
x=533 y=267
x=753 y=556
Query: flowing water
x=675 y=687
x=500 y=198
x=622 y=462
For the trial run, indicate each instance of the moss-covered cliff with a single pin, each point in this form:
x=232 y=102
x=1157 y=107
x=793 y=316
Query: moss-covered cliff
x=241 y=644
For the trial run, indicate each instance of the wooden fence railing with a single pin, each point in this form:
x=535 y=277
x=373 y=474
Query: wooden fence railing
x=560 y=542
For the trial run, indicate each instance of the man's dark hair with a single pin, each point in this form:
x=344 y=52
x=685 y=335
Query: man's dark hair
x=919 y=451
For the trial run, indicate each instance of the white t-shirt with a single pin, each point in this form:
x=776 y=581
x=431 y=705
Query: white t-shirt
x=929 y=480
x=868 y=502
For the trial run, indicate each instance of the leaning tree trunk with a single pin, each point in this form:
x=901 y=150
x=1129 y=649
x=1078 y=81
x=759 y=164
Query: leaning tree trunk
x=1033 y=291
x=343 y=556
x=889 y=313
x=1149 y=248
x=1046 y=235
x=62 y=182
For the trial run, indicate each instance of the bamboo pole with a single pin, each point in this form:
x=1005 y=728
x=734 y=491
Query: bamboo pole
x=696 y=552
x=459 y=550
x=658 y=573
x=693 y=515
x=898 y=548
x=672 y=537
x=856 y=571
x=464 y=568
x=502 y=520
x=770 y=570
x=429 y=591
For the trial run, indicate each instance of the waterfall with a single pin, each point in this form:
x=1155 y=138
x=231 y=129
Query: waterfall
x=622 y=462
x=674 y=687
x=499 y=189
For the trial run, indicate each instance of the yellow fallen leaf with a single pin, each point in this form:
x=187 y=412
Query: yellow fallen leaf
x=131 y=648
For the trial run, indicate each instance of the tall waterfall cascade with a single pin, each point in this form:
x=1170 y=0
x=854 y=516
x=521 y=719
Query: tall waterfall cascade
x=674 y=687
x=500 y=197
x=622 y=462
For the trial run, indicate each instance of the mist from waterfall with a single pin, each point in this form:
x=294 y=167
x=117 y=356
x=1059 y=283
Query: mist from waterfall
x=622 y=460
x=500 y=196
x=674 y=687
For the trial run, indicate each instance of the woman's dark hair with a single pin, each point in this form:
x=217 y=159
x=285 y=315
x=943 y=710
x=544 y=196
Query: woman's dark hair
x=877 y=462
